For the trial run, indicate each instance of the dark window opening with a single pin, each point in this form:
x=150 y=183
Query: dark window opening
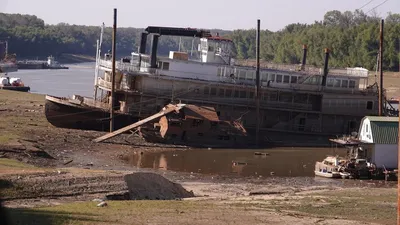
x=213 y=91
x=175 y=124
x=197 y=123
x=200 y=134
x=206 y=90
x=221 y=92
x=228 y=93
x=218 y=113
x=251 y=94
x=174 y=135
x=243 y=94
x=369 y=104
x=165 y=66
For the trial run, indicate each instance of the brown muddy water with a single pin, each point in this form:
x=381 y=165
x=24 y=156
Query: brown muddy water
x=277 y=162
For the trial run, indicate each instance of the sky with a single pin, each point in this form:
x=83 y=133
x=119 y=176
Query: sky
x=220 y=14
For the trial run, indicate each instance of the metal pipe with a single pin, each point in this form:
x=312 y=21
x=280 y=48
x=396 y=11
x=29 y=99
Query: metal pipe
x=325 y=67
x=114 y=37
x=96 y=70
x=258 y=82
x=381 y=101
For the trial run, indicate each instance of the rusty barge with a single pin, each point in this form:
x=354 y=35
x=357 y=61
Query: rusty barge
x=299 y=104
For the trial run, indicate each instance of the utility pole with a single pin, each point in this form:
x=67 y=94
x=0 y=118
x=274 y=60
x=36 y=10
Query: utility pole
x=114 y=37
x=398 y=180
x=258 y=83
x=381 y=97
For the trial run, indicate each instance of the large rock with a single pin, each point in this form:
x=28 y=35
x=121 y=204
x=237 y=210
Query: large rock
x=155 y=187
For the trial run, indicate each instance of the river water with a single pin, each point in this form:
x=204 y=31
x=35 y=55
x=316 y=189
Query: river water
x=78 y=79
x=279 y=162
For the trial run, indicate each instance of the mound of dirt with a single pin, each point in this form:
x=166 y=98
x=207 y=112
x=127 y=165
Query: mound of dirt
x=154 y=187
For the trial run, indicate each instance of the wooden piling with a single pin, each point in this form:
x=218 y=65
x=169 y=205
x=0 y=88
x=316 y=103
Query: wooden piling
x=257 y=94
x=114 y=37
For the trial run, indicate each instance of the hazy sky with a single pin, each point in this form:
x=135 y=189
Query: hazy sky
x=226 y=14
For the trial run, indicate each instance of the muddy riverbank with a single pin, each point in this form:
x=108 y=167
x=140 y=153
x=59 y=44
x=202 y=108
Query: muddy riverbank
x=56 y=172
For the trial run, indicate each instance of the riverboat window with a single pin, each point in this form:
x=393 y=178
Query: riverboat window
x=197 y=123
x=336 y=83
x=251 y=94
x=271 y=77
x=293 y=80
x=264 y=76
x=242 y=94
x=265 y=96
x=165 y=65
x=228 y=93
x=236 y=95
x=210 y=48
x=278 y=78
x=286 y=79
x=352 y=84
x=330 y=82
x=345 y=83
x=250 y=75
x=220 y=71
x=242 y=74
x=213 y=91
x=221 y=92
x=206 y=90
x=273 y=96
x=369 y=104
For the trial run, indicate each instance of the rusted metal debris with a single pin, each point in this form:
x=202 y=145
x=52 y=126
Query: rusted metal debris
x=187 y=124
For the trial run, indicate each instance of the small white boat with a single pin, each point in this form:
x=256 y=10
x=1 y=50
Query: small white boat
x=327 y=174
x=329 y=167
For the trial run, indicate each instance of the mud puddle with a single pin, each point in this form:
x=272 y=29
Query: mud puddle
x=278 y=162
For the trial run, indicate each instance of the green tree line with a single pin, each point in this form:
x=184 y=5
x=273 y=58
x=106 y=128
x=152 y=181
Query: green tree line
x=352 y=37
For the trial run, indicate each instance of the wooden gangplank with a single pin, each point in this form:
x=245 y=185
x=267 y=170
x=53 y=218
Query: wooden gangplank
x=168 y=109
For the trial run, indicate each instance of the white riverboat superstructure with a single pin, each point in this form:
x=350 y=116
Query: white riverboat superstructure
x=298 y=103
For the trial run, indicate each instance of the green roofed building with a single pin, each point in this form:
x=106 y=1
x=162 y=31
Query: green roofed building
x=379 y=136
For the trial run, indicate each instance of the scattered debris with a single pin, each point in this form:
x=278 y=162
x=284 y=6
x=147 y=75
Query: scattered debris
x=68 y=162
x=261 y=153
x=102 y=204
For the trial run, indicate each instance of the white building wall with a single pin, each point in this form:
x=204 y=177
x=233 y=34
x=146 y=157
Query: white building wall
x=385 y=155
x=365 y=133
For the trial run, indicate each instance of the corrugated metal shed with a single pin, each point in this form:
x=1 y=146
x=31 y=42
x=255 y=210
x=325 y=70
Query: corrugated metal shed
x=385 y=130
x=382 y=119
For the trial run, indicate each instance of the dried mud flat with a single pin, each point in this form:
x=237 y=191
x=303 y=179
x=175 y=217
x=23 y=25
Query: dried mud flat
x=53 y=174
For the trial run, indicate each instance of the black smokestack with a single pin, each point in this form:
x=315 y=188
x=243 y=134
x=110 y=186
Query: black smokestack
x=154 y=44
x=303 y=64
x=143 y=40
x=325 y=67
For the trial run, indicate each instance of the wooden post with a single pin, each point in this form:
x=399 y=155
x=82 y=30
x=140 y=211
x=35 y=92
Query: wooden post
x=113 y=72
x=258 y=82
x=381 y=100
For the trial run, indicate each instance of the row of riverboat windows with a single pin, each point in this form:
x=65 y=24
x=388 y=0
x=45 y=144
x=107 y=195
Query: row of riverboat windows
x=220 y=92
x=292 y=79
